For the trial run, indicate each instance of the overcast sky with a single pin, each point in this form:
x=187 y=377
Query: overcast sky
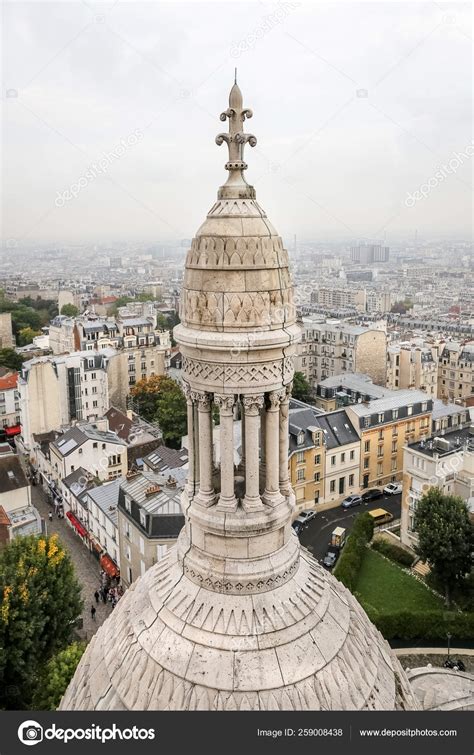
x=356 y=106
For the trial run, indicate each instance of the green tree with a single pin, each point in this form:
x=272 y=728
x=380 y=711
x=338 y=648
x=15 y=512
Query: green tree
x=40 y=601
x=10 y=359
x=158 y=398
x=445 y=537
x=301 y=388
x=26 y=335
x=56 y=675
x=69 y=310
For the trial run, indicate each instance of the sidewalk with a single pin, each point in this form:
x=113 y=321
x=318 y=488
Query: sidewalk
x=86 y=566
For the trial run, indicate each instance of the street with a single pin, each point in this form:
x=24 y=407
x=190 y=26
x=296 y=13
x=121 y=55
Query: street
x=317 y=534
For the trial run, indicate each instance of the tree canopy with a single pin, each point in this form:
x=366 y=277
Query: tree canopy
x=56 y=675
x=445 y=537
x=301 y=388
x=70 y=310
x=40 y=601
x=10 y=359
x=160 y=399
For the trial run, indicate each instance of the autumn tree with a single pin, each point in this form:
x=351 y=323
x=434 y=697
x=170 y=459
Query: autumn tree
x=445 y=537
x=40 y=602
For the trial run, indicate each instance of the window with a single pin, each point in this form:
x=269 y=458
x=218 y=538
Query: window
x=332 y=486
x=394 y=446
x=394 y=465
x=80 y=450
x=142 y=521
x=317 y=476
x=300 y=457
x=94 y=445
x=366 y=463
x=95 y=404
x=316 y=496
x=395 y=414
x=128 y=553
x=367 y=446
x=424 y=406
x=129 y=575
x=379 y=469
x=300 y=438
x=160 y=552
x=300 y=475
x=142 y=545
x=351 y=480
x=343 y=458
x=317 y=459
x=381 y=417
x=128 y=504
x=409 y=410
x=366 y=421
x=333 y=461
x=352 y=455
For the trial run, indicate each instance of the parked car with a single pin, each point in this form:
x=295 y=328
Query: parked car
x=351 y=500
x=305 y=516
x=297 y=526
x=393 y=488
x=330 y=559
x=372 y=494
x=380 y=516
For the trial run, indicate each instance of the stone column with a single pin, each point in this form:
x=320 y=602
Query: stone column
x=227 y=499
x=206 y=491
x=284 y=430
x=272 y=451
x=242 y=433
x=252 y=406
x=192 y=443
x=263 y=424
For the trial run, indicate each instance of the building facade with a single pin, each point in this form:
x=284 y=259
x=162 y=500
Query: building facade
x=456 y=372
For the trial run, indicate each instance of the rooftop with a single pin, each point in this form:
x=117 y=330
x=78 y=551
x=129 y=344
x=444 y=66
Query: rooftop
x=7 y=382
x=106 y=498
x=357 y=382
x=136 y=486
x=12 y=476
x=394 y=400
x=446 y=444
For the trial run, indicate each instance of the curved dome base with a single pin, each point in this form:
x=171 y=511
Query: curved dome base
x=173 y=645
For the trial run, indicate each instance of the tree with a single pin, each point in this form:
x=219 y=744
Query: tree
x=26 y=335
x=301 y=388
x=445 y=537
x=56 y=675
x=10 y=359
x=69 y=310
x=159 y=399
x=40 y=601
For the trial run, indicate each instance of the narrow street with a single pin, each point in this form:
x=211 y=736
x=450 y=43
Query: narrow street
x=317 y=533
x=86 y=566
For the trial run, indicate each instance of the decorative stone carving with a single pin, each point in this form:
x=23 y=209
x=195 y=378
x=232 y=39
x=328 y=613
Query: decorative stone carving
x=252 y=405
x=238 y=374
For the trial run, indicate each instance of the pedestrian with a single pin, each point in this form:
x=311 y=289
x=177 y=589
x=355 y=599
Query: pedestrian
x=104 y=594
x=93 y=612
x=50 y=515
x=96 y=596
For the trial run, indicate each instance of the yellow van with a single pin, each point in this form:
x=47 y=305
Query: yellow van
x=380 y=516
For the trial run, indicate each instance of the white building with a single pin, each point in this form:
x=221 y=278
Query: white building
x=103 y=520
x=101 y=453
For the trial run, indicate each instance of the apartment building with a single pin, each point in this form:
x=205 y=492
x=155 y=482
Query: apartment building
x=18 y=515
x=411 y=365
x=456 y=372
x=103 y=525
x=140 y=349
x=10 y=404
x=348 y=388
x=307 y=451
x=367 y=254
x=56 y=391
x=384 y=427
x=340 y=297
x=331 y=348
x=324 y=457
x=102 y=453
x=149 y=521
x=445 y=462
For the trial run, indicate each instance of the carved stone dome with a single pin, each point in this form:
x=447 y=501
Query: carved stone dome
x=238 y=615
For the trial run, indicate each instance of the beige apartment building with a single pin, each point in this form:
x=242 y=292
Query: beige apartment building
x=411 y=365
x=149 y=521
x=331 y=348
x=456 y=372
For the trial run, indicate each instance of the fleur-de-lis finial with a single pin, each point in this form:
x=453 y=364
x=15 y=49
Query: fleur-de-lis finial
x=236 y=139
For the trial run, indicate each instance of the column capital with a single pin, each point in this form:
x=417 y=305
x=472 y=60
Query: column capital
x=225 y=403
x=253 y=404
x=203 y=399
x=275 y=398
x=187 y=391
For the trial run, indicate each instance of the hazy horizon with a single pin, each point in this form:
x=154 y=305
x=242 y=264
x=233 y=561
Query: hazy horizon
x=357 y=106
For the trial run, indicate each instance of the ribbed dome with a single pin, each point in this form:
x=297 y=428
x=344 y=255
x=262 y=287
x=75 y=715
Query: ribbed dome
x=171 y=645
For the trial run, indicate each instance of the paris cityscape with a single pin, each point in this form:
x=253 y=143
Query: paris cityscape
x=237 y=467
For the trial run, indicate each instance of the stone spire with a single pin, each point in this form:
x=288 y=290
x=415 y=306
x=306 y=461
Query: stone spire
x=236 y=139
x=237 y=615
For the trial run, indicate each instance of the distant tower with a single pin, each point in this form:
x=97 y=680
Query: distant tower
x=237 y=615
